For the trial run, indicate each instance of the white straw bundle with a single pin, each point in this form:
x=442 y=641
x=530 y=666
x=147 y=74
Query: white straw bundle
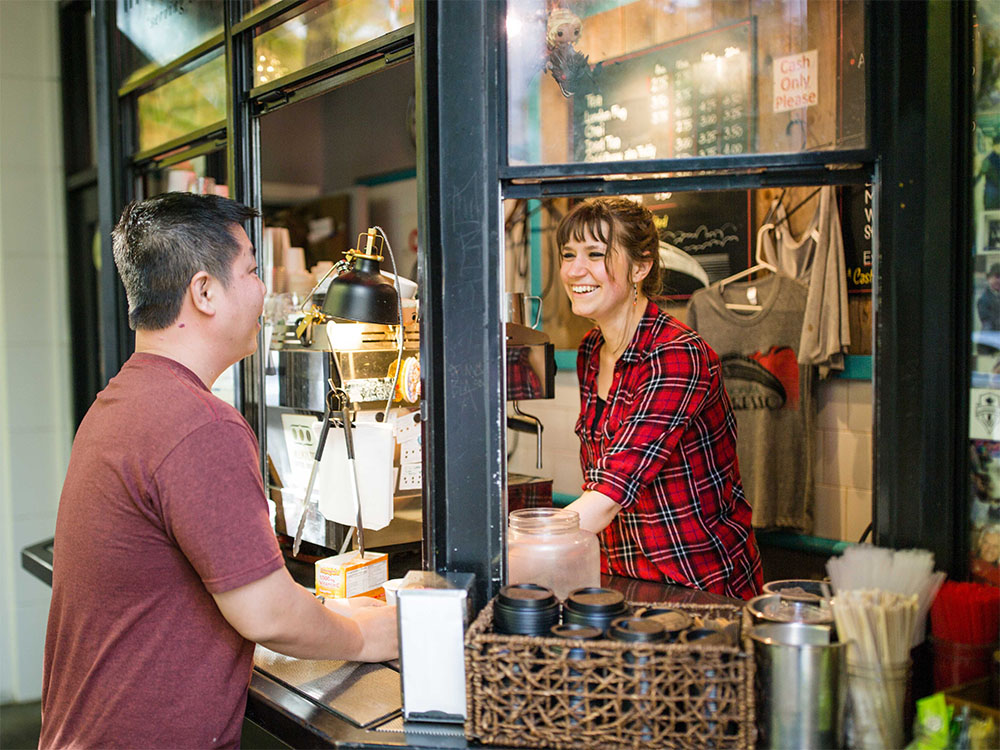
x=878 y=624
x=906 y=571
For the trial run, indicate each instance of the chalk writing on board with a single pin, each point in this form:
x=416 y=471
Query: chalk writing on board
x=703 y=239
x=688 y=97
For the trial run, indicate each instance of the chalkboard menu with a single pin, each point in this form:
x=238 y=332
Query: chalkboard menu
x=713 y=228
x=689 y=97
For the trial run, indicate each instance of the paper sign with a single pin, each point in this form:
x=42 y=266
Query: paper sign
x=796 y=81
x=300 y=442
x=984 y=414
x=373 y=449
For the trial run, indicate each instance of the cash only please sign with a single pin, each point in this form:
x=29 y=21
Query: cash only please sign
x=796 y=81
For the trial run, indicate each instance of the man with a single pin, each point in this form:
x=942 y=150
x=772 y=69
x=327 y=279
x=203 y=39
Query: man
x=166 y=570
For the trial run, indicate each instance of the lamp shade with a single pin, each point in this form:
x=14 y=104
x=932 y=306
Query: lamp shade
x=362 y=294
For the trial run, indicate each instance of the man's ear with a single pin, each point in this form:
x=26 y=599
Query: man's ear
x=201 y=290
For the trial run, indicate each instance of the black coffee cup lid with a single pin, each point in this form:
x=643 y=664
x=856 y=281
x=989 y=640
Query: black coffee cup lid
x=573 y=630
x=636 y=630
x=526 y=596
x=594 y=599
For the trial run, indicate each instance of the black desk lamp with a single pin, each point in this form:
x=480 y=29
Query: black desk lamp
x=359 y=292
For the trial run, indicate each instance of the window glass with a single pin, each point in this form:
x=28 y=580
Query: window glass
x=152 y=33
x=193 y=100
x=205 y=175
x=323 y=31
x=984 y=406
x=613 y=80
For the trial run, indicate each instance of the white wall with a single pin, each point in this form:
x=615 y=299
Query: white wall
x=35 y=416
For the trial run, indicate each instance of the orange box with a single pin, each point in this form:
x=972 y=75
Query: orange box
x=347 y=575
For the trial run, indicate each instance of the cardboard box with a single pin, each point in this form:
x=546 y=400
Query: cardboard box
x=347 y=575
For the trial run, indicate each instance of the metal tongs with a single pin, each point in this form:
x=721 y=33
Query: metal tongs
x=337 y=401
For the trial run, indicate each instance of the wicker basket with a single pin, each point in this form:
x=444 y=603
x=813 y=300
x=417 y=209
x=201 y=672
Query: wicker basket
x=527 y=691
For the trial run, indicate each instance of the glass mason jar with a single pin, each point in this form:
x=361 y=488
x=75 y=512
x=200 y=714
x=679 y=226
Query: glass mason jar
x=547 y=546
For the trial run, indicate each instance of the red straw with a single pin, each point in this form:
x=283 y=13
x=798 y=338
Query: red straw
x=966 y=613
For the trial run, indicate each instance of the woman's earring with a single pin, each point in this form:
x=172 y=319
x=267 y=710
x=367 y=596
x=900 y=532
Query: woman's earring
x=635 y=294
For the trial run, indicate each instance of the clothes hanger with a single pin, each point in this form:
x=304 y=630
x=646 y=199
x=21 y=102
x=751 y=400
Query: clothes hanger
x=798 y=205
x=760 y=265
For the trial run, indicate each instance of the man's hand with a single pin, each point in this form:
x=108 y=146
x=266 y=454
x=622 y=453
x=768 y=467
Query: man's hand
x=377 y=622
x=278 y=613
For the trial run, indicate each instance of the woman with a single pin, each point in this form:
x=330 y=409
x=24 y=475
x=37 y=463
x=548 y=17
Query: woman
x=657 y=432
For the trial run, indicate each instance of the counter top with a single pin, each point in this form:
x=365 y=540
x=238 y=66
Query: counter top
x=301 y=722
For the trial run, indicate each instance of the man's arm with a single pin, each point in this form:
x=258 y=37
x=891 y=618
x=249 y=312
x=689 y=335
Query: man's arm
x=276 y=612
x=596 y=510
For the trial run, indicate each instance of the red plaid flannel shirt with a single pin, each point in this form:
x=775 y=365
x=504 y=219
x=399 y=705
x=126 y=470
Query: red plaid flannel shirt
x=665 y=450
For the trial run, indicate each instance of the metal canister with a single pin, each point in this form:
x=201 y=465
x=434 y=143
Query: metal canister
x=801 y=686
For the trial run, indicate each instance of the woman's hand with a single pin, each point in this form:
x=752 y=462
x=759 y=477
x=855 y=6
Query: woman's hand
x=596 y=510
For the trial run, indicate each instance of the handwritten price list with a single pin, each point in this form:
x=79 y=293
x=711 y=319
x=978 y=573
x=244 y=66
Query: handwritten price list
x=684 y=98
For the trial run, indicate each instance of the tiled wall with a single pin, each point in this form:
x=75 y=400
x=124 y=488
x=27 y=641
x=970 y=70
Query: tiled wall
x=844 y=459
x=35 y=416
x=843 y=444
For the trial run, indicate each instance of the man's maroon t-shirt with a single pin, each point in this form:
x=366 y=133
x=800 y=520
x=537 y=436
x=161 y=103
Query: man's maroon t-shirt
x=163 y=505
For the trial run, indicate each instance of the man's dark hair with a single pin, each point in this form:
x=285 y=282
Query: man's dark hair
x=161 y=243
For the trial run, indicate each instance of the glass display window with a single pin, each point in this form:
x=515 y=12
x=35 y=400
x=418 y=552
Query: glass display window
x=318 y=194
x=628 y=80
x=153 y=34
x=194 y=100
x=984 y=395
x=323 y=30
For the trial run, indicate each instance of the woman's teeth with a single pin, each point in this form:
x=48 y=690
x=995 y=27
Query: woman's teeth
x=583 y=289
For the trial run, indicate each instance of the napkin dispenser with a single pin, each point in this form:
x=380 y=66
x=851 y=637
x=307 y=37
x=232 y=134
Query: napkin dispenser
x=433 y=611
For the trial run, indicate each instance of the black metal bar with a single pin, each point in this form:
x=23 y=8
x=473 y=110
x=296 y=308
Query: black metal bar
x=920 y=306
x=243 y=173
x=375 y=49
x=785 y=178
x=116 y=343
x=461 y=335
x=171 y=70
x=193 y=140
x=279 y=98
x=267 y=13
x=703 y=164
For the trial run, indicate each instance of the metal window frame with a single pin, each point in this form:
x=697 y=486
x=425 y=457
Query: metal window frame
x=913 y=370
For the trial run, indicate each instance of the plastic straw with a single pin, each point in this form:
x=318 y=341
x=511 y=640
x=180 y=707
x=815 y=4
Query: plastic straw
x=907 y=572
